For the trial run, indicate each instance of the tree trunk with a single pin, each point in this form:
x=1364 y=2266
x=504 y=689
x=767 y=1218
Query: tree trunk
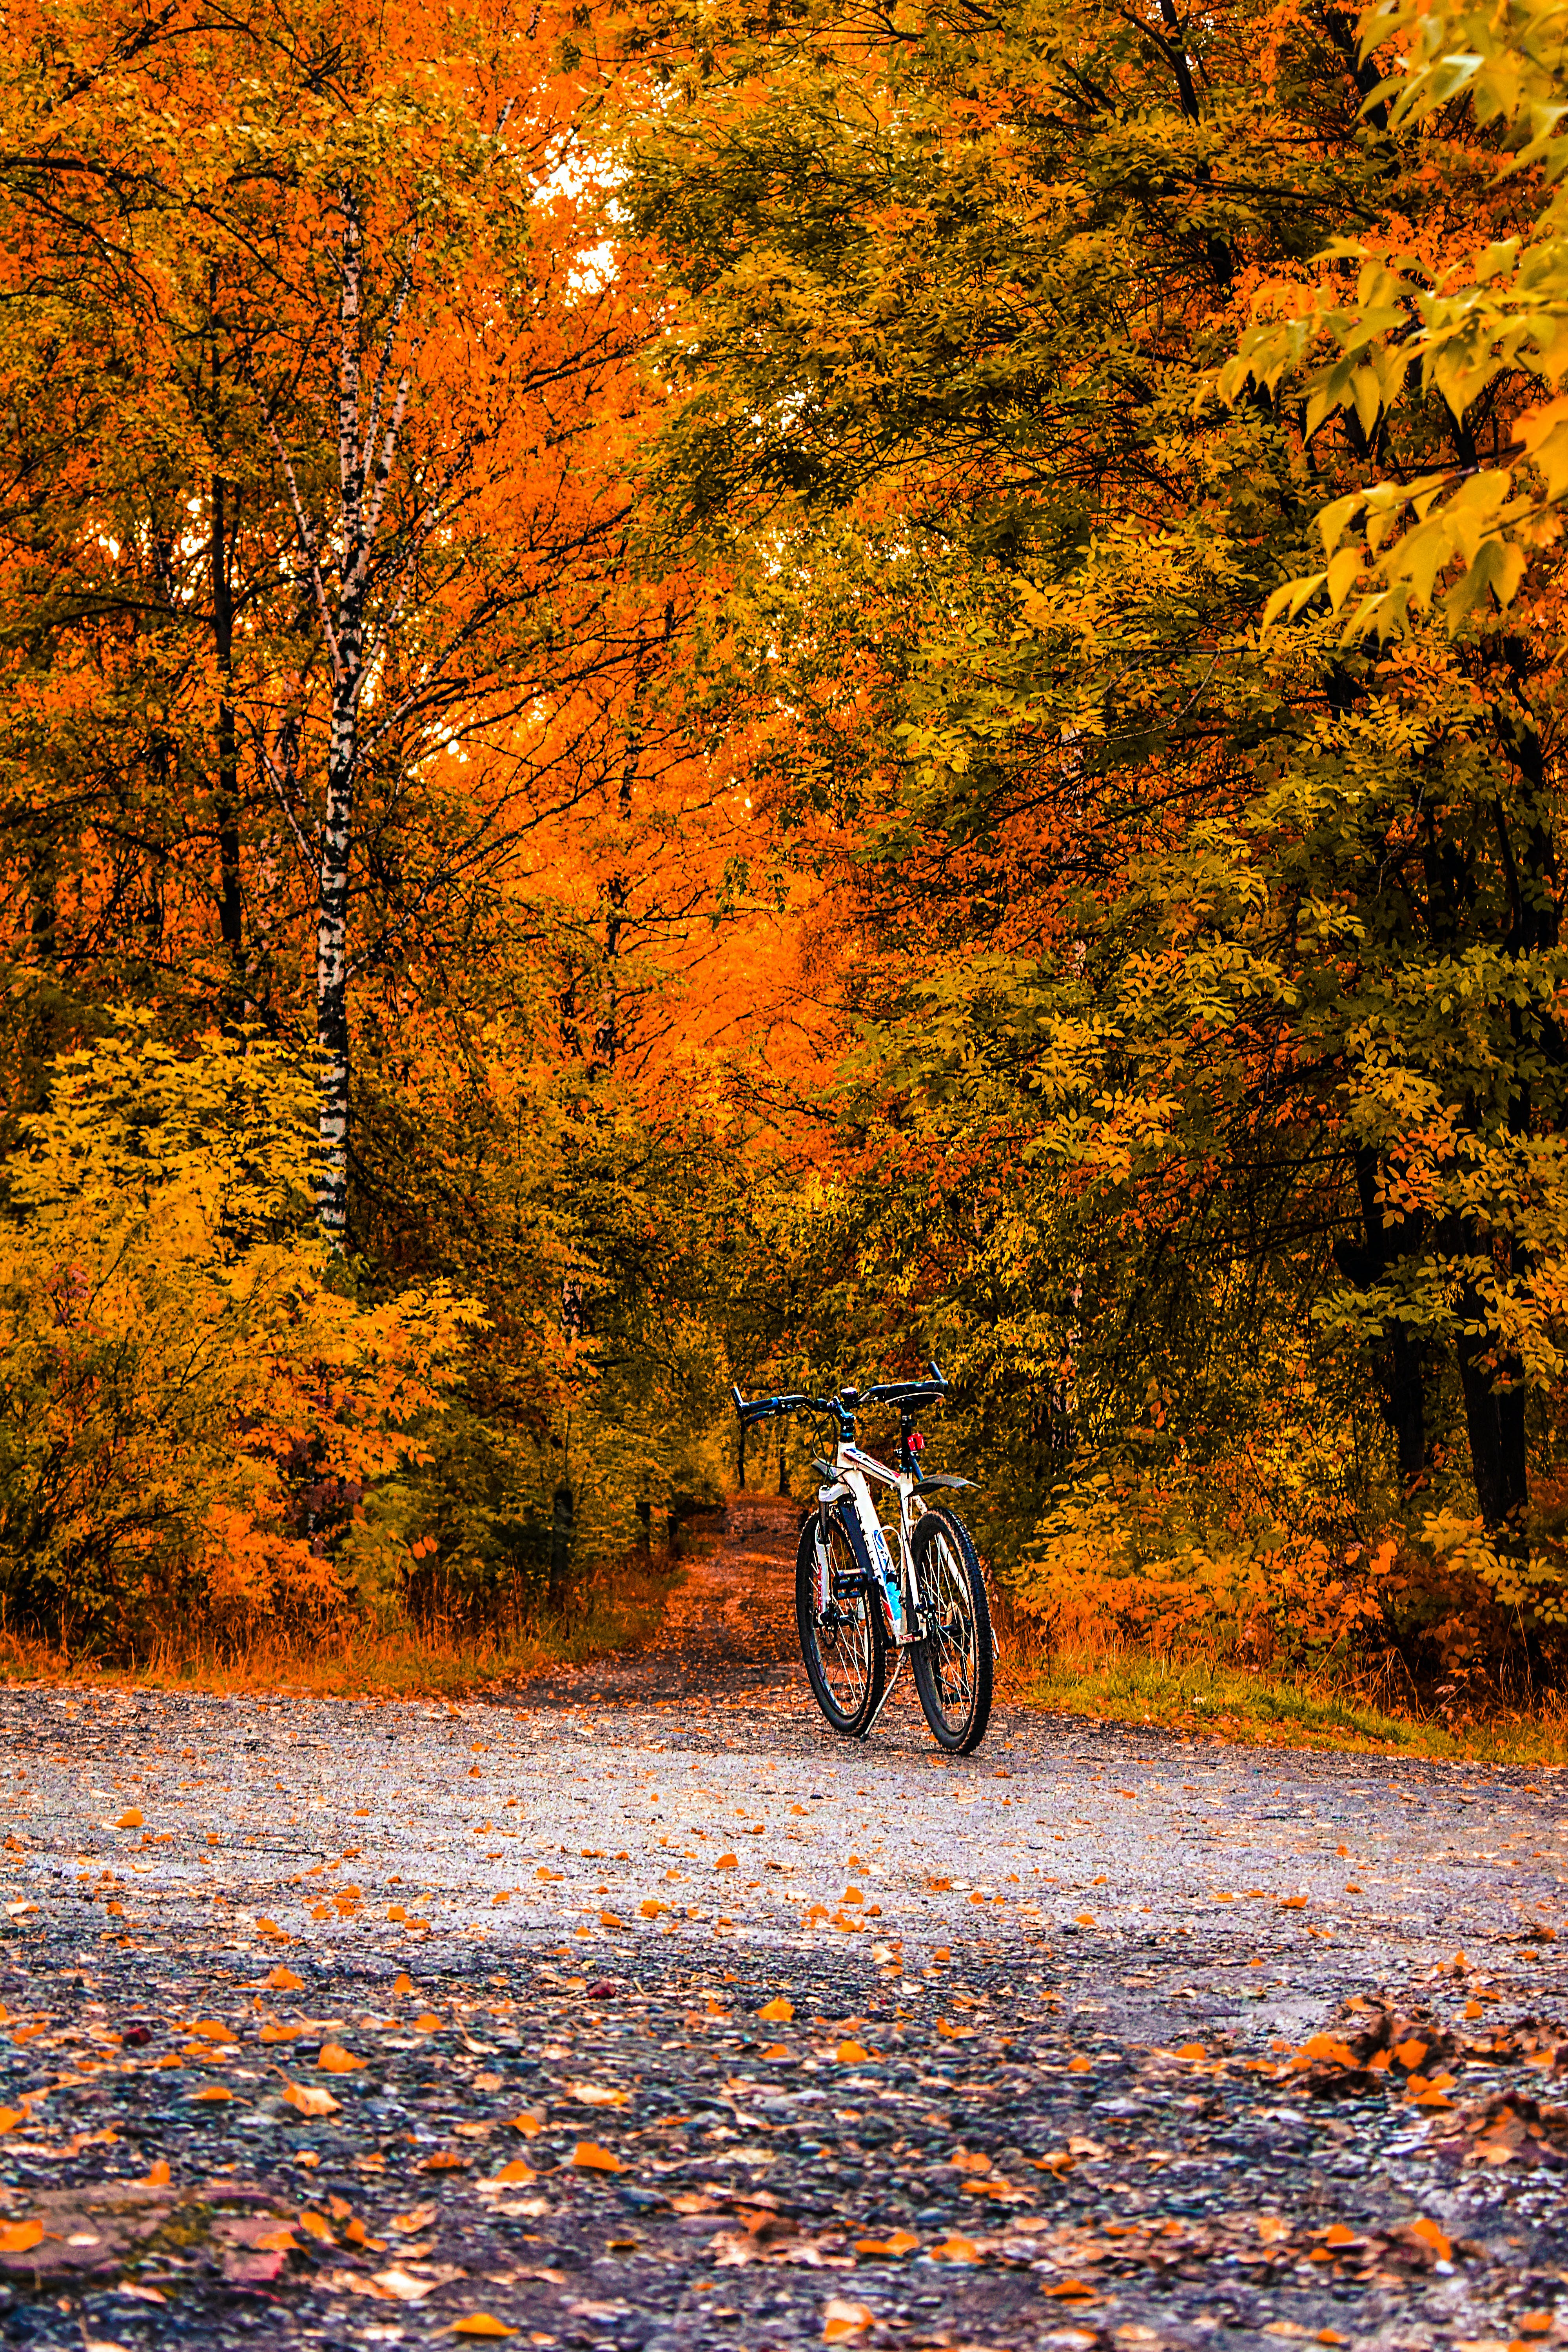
x=1495 y=1420
x=1400 y=1374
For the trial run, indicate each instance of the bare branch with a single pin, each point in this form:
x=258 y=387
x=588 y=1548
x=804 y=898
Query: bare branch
x=308 y=540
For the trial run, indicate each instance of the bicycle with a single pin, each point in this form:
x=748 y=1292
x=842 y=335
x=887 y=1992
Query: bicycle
x=855 y=1606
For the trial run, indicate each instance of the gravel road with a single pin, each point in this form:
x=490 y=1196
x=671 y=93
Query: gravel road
x=644 y=2014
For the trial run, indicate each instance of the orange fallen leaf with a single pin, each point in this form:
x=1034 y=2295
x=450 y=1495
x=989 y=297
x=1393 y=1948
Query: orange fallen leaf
x=728 y=1861
x=334 y=2058
x=1084 y=1918
x=317 y=2226
x=1340 y=2236
x=776 y=2050
x=529 y=2126
x=851 y=2054
x=309 y=2102
x=402 y=1984
x=211 y=2092
x=278 y=2241
x=608 y=1919
x=840 y=2319
x=1292 y=1902
x=589 y=2157
x=897 y=2243
x=130 y=1819
x=1077 y=2066
x=596 y=2095
x=11 y=2116
x=1410 y=2053
x=160 y=2176
x=480 y=2323
x=20 y=2237
x=1431 y=2235
x=650 y=1906
x=429 y=2024
x=445 y=2160
x=283 y=1980
x=1192 y=2050
x=778 y=2011
x=516 y=2171
x=956 y=2249
x=210 y=2028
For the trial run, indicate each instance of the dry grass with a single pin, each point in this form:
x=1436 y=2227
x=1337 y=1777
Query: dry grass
x=1212 y=1699
x=443 y=1659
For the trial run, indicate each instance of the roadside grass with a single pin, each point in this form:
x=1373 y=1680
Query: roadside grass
x=443 y=1658
x=1235 y=1703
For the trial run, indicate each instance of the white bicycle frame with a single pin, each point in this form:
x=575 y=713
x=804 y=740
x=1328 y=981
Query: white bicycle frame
x=852 y=1471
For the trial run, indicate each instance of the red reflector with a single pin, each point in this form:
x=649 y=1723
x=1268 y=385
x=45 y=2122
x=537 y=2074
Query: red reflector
x=917 y=1442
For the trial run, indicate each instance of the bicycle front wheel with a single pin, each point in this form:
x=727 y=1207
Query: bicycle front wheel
x=844 y=1645
x=955 y=1661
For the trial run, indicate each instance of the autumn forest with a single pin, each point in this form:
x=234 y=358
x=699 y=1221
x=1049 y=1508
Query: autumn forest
x=699 y=696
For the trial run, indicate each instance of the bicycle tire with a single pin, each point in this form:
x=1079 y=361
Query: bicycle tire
x=848 y=1676
x=955 y=1661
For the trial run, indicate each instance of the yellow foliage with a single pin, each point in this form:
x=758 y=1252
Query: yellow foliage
x=178 y=1352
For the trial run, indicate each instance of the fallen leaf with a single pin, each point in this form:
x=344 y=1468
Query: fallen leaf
x=278 y=2241
x=317 y=2226
x=213 y=2092
x=840 y=2319
x=895 y=2244
x=851 y=2054
x=1410 y=2055
x=401 y=1984
x=776 y=2050
x=479 y=2323
x=309 y=2102
x=778 y=2011
x=589 y=2157
x=515 y=2170
x=11 y=2116
x=283 y=1980
x=130 y=1819
x=596 y=2095
x=1431 y=2235
x=529 y=2126
x=398 y=2287
x=954 y=2249
x=210 y=2028
x=1084 y=1918
x=429 y=2024
x=1078 y=2066
x=160 y=2176
x=1192 y=2050
x=408 y=2225
x=20 y=2237
x=1292 y=1902
x=445 y=2159
x=335 y=2059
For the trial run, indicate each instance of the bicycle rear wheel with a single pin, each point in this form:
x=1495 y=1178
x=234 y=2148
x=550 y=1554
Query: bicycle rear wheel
x=844 y=1646
x=954 y=1662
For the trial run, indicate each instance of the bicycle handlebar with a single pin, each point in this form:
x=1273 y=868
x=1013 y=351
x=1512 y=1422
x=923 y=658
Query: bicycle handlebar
x=847 y=1402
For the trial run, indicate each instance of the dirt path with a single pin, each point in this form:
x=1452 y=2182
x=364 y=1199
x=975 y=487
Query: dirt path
x=728 y=1625
x=640 y=2015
